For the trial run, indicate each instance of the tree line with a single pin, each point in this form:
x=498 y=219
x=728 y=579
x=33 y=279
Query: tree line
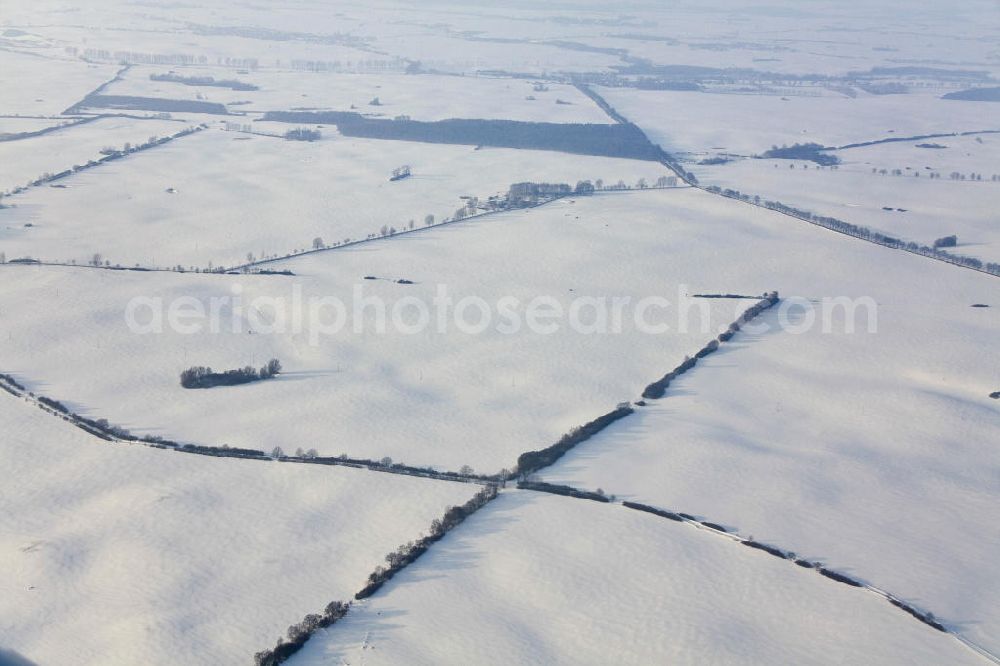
x=396 y=561
x=658 y=388
x=207 y=81
x=108 y=156
x=605 y=140
x=861 y=232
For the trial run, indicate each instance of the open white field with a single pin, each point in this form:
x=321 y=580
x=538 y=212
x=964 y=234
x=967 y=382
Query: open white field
x=107 y=32
x=430 y=398
x=705 y=123
x=962 y=154
x=10 y=125
x=535 y=578
x=115 y=554
x=421 y=97
x=25 y=160
x=236 y=195
x=46 y=85
x=796 y=39
x=822 y=39
x=931 y=208
x=457 y=55
x=872 y=452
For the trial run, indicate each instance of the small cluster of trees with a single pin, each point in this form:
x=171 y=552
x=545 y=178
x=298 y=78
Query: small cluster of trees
x=277 y=453
x=200 y=377
x=136 y=57
x=299 y=633
x=522 y=195
x=812 y=152
x=946 y=241
x=955 y=175
x=358 y=66
x=303 y=134
x=566 y=491
x=934 y=175
x=209 y=81
x=663 y=513
x=409 y=552
x=11 y=385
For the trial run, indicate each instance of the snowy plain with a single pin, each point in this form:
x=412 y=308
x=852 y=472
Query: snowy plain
x=920 y=208
x=873 y=453
x=746 y=124
x=124 y=554
x=22 y=163
x=263 y=195
x=426 y=97
x=536 y=579
x=446 y=396
x=48 y=85
x=962 y=154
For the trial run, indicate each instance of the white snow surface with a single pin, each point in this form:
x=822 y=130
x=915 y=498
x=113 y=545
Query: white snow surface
x=746 y=124
x=25 y=160
x=122 y=554
x=873 y=452
x=425 y=97
x=47 y=85
x=446 y=396
x=215 y=196
x=921 y=209
x=535 y=578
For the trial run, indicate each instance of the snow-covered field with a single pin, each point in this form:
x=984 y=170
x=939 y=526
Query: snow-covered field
x=25 y=160
x=17 y=125
x=535 y=578
x=961 y=154
x=425 y=97
x=236 y=194
x=744 y=124
x=367 y=394
x=125 y=554
x=47 y=86
x=931 y=208
x=439 y=398
x=872 y=452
